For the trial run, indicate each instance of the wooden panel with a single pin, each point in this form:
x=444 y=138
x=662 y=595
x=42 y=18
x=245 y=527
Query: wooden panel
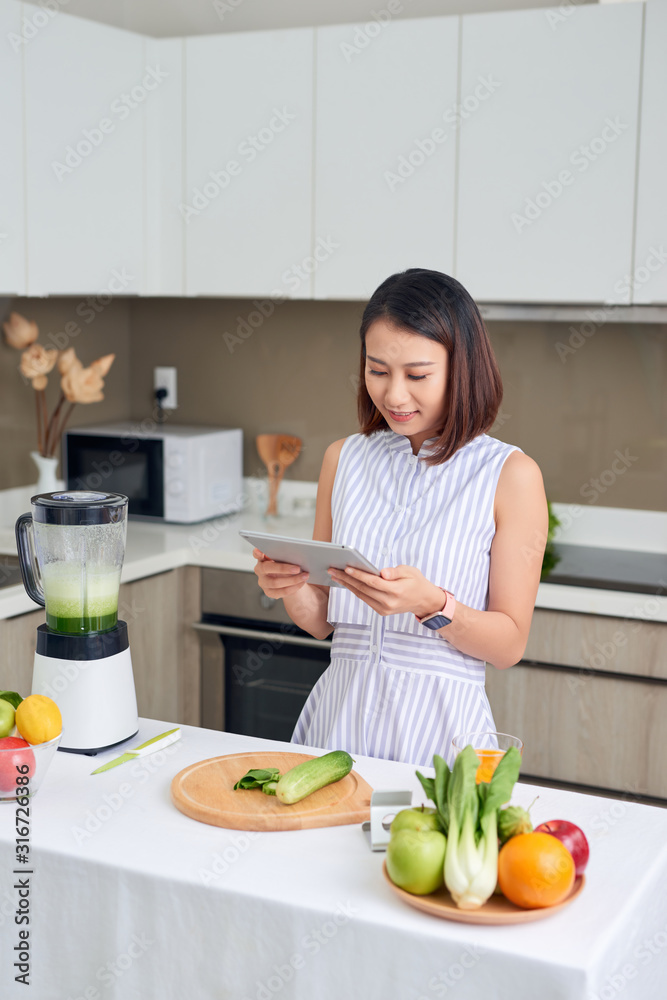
x=596 y=642
x=18 y=639
x=187 y=611
x=159 y=611
x=205 y=791
x=591 y=730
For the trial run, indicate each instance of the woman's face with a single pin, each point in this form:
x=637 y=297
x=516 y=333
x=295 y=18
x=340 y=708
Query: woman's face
x=406 y=377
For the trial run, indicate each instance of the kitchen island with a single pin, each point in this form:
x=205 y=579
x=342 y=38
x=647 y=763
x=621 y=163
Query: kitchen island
x=130 y=898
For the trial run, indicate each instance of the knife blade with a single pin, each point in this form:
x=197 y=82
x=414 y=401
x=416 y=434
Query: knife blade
x=150 y=746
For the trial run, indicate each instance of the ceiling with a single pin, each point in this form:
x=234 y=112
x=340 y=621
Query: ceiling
x=166 y=18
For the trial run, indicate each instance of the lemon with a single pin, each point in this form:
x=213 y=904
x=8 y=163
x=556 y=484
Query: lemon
x=38 y=719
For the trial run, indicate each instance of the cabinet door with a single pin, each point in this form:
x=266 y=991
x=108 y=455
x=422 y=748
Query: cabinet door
x=159 y=611
x=650 y=265
x=12 y=207
x=165 y=229
x=86 y=89
x=547 y=164
x=18 y=641
x=248 y=163
x=385 y=151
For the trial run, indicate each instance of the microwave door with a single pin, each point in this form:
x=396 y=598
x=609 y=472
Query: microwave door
x=127 y=465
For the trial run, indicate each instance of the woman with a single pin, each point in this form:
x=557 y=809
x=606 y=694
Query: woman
x=457 y=518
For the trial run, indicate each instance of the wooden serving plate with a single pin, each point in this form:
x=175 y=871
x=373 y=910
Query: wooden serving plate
x=496 y=910
x=205 y=792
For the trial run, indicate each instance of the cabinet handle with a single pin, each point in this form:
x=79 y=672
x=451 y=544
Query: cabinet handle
x=252 y=633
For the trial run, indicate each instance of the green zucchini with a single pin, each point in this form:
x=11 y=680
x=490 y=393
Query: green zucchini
x=306 y=778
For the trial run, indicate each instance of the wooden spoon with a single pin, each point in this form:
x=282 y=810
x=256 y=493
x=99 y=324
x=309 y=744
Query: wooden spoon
x=277 y=451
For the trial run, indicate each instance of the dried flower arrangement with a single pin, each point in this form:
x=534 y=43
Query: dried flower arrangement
x=77 y=384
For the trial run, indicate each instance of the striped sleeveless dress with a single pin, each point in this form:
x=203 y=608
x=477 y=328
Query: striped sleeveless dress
x=395 y=689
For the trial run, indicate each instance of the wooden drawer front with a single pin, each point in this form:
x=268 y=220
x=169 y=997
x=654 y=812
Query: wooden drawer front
x=613 y=645
x=591 y=730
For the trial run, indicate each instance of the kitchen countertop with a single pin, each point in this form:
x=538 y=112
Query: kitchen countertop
x=129 y=897
x=157 y=548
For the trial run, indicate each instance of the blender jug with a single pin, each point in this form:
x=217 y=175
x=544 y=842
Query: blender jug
x=71 y=551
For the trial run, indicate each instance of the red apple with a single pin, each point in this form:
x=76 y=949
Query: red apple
x=570 y=836
x=10 y=761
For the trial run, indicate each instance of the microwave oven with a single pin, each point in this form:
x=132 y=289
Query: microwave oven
x=169 y=473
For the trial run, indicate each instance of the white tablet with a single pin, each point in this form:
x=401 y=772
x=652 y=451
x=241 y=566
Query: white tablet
x=315 y=557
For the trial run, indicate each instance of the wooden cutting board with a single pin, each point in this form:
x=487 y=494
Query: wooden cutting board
x=205 y=791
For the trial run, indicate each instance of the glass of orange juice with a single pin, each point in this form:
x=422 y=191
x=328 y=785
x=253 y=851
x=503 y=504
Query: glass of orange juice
x=489 y=748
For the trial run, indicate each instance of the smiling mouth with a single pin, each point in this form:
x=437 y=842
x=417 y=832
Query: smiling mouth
x=402 y=416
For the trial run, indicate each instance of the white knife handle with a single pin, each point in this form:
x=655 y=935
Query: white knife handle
x=158 y=745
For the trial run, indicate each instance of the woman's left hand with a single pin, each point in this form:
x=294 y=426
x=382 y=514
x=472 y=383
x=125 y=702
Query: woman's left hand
x=397 y=590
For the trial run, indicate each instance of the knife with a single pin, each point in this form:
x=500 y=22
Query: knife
x=150 y=746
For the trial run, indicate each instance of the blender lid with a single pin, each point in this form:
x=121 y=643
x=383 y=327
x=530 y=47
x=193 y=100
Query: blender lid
x=79 y=507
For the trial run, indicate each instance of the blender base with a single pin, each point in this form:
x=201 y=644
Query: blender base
x=96 y=697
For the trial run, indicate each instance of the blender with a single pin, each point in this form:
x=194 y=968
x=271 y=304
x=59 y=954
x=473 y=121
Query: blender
x=71 y=548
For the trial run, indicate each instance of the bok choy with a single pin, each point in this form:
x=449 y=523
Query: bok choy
x=469 y=814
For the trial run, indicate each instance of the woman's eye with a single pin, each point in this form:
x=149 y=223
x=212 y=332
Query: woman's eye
x=372 y=372
x=416 y=378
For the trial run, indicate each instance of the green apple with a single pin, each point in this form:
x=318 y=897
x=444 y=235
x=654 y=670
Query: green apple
x=6 y=718
x=416 y=860
x=423 y=818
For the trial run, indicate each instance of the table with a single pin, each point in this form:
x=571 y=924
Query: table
x=131 y=899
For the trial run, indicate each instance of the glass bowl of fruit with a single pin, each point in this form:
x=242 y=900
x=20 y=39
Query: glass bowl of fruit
x=31 y=732
x=23 y=766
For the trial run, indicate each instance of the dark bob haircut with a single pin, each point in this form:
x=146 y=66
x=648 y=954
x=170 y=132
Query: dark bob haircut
x=436 y=306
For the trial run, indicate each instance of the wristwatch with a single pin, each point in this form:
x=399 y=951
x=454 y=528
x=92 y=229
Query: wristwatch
x=440 y=618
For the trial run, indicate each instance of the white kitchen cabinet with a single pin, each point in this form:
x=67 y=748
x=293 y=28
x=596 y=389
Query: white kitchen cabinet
x=248 y=163
x=165 y=228
x=650 y=262
x=87 y=87
x=547 y=164
x=12 y=204
x=385 y=151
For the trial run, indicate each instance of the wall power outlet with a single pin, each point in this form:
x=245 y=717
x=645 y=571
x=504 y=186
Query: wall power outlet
x=165 y=378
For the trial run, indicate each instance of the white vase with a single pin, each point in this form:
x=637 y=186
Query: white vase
x=47 y=481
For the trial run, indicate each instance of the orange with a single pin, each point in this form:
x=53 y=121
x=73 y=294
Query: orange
x=534 y=870
x=38 y=719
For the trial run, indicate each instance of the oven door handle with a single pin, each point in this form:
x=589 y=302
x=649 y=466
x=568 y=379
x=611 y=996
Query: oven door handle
x=252 y=633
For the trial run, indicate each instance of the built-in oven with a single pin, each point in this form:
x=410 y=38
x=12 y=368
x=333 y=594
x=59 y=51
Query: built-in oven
x=257 y=667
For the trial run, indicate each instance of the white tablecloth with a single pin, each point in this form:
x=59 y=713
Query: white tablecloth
x=131 y=899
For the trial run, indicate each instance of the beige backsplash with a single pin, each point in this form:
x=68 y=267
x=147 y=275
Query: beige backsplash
x=597 y=413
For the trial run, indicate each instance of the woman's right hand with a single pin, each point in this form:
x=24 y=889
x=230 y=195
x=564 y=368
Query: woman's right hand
x=278 y=579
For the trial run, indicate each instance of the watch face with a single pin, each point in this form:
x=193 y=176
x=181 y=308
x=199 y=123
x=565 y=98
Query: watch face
x=437 y=621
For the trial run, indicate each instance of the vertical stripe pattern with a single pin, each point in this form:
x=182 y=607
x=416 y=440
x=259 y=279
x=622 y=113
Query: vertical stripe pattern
x=395 y=689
